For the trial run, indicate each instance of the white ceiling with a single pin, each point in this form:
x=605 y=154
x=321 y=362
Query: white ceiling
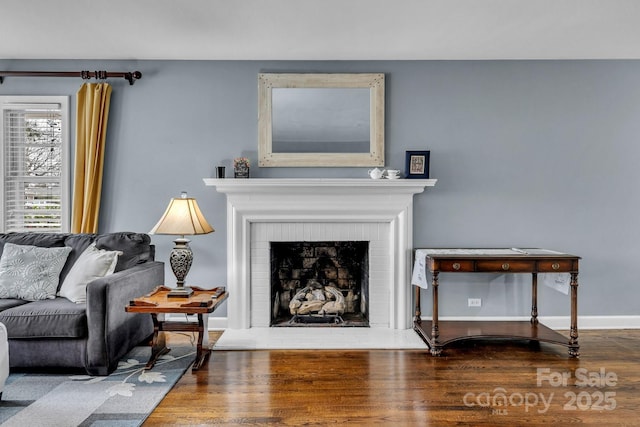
x=320 y=29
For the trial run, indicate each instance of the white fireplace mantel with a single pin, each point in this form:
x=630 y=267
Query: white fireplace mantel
x=342 y=185
x=320 y=201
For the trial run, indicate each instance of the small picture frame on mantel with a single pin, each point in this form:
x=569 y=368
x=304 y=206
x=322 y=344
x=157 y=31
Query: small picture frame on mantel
x=241 y=167
x=417 y=165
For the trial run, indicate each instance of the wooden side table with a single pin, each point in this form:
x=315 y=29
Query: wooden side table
x=202 y=302
x=438 y=334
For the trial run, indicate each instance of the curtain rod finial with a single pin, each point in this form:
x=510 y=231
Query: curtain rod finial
x=132 y=77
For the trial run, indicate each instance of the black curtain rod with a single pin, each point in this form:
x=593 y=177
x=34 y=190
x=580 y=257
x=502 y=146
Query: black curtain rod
x=101 y=75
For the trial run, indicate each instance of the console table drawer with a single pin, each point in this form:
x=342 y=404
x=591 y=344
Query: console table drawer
x=448 y=265
x=505 y=265
x=556 y=265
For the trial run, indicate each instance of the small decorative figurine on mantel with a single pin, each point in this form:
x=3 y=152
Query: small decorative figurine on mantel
x=241 y=167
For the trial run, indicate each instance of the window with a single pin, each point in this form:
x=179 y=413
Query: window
x=34 y=161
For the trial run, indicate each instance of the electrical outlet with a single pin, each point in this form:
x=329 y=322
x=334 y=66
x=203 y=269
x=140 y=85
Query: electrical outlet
x=475 y=302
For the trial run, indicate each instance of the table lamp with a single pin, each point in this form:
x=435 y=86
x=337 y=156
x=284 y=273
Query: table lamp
x=182 y=217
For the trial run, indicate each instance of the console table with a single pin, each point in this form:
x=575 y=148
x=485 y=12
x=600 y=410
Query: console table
x=438 y=334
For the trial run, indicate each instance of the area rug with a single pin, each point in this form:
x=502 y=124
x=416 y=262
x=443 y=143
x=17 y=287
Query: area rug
x=123 y=399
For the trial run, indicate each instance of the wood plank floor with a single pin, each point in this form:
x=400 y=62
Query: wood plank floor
x=473 y=383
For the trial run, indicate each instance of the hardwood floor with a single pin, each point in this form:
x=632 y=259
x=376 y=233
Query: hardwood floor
x=473 y=383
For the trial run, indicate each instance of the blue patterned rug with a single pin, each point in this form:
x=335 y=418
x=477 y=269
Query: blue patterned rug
x=124 y=398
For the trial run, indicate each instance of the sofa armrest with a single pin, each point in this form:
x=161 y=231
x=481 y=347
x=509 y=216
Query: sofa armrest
x=4 y=357
x=112 y=331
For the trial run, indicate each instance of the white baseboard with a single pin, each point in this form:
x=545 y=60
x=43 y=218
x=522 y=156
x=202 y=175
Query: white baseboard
x=215 y=323
x=553 y=322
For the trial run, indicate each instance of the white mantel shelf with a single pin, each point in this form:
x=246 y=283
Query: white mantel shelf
x=250 y=185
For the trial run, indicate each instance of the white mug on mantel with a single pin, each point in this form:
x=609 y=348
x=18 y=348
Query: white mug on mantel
x=393 y=173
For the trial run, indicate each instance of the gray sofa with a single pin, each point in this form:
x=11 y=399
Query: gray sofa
x=58 y=333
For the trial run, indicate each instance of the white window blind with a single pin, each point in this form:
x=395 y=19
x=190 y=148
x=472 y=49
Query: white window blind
x=34 y=162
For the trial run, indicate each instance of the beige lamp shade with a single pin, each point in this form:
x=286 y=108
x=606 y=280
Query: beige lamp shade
x=182 y=217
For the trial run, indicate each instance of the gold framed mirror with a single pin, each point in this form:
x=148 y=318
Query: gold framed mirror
x=321 y=120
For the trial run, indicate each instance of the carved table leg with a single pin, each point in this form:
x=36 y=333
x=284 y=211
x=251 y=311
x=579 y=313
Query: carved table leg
x=436 y=349
x=534 y=299
x=418 y=313
x=203 y=350
x=158 y=343
x=574 y=347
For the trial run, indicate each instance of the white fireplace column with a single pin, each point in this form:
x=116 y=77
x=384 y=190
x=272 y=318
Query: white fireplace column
x=314 y=210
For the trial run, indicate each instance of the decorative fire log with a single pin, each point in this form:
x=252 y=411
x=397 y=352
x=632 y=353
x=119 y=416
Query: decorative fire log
x=313 y=299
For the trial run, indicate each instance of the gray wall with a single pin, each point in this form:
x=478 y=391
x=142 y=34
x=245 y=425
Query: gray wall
x=527 y=153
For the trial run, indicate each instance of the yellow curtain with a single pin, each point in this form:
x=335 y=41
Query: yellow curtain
x=91 y=130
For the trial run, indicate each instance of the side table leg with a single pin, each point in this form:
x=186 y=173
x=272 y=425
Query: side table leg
x=534 y=299
x=158 y=343
x=418 y=314
x=574 y=347
x=436 y=349
x=203 y=350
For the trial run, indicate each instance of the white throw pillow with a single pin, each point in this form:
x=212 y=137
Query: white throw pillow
x=31 y=272
x=92 y=264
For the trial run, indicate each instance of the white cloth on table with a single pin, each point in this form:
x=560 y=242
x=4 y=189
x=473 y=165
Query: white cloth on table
x=419 y=275
x=558 y=281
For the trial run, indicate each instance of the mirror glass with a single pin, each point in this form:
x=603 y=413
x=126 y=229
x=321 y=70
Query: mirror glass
x=321 y=120
x=310 y=120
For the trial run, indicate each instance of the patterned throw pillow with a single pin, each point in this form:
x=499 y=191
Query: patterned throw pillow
x=30 y=272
